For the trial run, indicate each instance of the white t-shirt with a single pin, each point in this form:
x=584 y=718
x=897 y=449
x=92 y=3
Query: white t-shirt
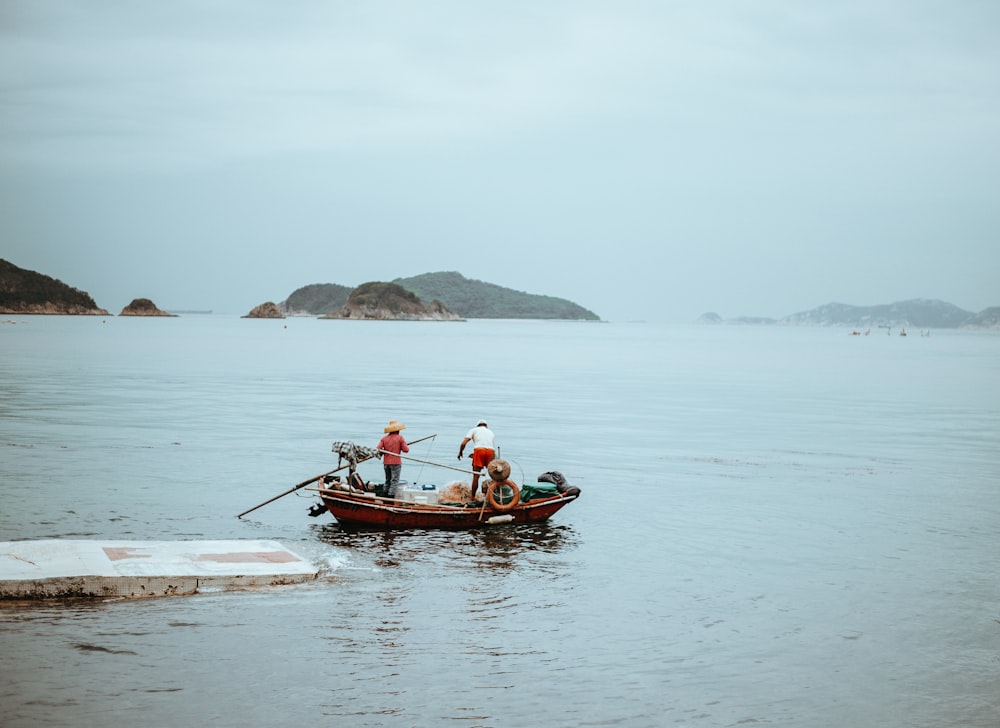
x=482 y=437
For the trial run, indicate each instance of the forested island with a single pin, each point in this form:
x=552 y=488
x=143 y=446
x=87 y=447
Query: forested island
x=27 y=292
x=454 y=293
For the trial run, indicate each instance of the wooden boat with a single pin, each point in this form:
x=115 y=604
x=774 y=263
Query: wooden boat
x=365 y=510
x=358 y=504
x=355 y=507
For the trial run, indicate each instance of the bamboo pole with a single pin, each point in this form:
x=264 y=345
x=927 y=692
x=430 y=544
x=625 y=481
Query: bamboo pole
x=440 y=465
x=304 y=483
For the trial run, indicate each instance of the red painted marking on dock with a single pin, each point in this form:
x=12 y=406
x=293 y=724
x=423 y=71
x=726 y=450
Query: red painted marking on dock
x=117 y=553
x=244 y=557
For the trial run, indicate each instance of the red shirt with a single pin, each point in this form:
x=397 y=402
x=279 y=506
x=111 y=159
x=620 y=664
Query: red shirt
x=393 y=443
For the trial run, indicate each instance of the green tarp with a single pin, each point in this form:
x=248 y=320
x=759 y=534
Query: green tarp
x=532 y=491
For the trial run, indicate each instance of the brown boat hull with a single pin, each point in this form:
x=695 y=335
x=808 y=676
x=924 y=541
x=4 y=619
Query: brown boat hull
x=365 y=511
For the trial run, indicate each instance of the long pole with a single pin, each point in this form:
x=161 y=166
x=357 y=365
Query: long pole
x=440 y=465
x=304 y=483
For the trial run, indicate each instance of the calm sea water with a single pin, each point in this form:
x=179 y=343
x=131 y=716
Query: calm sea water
x=778 y=526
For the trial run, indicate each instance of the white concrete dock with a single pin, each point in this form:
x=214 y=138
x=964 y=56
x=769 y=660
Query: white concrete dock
x=98 y=568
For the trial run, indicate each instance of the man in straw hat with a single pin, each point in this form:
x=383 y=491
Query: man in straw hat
x=483 y=450
x=389 y=447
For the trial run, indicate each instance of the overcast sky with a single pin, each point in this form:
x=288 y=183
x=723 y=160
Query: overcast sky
x=647 y=160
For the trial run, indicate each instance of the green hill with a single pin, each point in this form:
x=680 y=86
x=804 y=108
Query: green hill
x=465 y=297
x=476 y=299
x=25 y=291
x=316 y=299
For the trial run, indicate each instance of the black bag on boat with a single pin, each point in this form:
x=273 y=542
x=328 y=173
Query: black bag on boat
x=555 y=477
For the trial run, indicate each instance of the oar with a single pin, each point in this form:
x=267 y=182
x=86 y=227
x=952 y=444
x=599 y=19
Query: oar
x=304 y=483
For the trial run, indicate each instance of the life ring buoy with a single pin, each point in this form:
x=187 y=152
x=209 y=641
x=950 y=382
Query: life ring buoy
x=496 y=495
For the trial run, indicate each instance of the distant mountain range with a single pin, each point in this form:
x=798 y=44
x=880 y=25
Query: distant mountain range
x=27 y=292
x=465 y=297
x=918 y=313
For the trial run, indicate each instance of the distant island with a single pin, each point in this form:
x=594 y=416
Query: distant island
x=456 y=294
x=920 y=313
x=267 y=310
x=144 y=307
x=449 y=296
x=27 y=292
x=379 y=301
x=432 y=296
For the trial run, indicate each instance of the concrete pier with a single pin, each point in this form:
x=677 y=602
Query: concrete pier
x=96 y=568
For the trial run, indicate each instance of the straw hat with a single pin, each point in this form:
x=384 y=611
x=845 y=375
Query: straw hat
x=394 y=426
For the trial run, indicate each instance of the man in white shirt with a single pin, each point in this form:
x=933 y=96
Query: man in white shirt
x=483 y=451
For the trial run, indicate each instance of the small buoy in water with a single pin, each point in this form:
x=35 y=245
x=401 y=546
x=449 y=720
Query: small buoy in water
x=500 y=519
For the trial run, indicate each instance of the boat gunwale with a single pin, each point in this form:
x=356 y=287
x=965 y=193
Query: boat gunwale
x=390 y=504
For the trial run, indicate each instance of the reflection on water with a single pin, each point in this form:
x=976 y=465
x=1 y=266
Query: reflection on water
x=547 y=537
x=500 y=547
